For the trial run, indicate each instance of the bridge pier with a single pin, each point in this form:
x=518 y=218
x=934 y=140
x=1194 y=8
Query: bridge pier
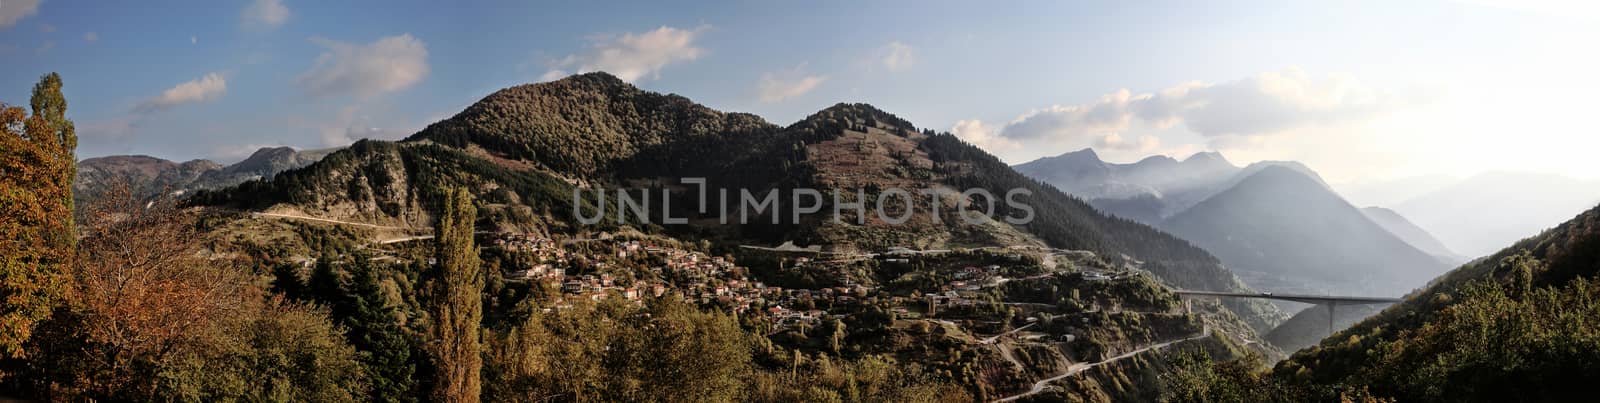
x=1330 y=306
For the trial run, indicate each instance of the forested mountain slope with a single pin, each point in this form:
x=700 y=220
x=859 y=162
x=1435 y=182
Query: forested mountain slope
x=1516 y=326
x=524 y=149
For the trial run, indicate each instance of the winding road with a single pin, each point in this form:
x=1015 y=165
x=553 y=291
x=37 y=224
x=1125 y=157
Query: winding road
x=301 y=217
x=991 y=339
x=1077 y=368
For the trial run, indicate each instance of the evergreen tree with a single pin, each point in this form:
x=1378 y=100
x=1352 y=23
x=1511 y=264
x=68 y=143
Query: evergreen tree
x=456 y=307
x=386 y=351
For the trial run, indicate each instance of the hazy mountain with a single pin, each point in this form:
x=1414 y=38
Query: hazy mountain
x=149 y=175
x=1515 y=326
x=1310 y=325
x=1145 y=191
x=522 y=150
x=1083 y=174
x=1485 y=212
x=1390 y=192
x=1285 y=224
x=1412 y=234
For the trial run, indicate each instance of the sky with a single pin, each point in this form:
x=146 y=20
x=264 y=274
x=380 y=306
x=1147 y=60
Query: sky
x=1362 y=92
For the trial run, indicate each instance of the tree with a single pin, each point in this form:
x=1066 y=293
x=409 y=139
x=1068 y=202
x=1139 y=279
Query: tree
x=36 y=232
x=386 y=351
x=456 y=306
x=48 y=103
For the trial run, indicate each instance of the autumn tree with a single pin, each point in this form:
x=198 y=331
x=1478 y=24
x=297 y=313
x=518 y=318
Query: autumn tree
x=456 y=306
x=36 y=229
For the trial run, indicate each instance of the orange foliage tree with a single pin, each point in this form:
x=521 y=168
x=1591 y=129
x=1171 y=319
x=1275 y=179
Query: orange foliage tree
x=37 y=166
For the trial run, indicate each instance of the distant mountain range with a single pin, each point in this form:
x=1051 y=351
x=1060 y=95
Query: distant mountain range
x=1280 y=222
x=1277 y=223
x=148 y=175
x=1483 y=213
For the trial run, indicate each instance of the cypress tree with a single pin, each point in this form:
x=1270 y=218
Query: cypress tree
x=456 y=307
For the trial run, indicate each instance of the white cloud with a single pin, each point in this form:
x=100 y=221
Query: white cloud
x=552 y=75
x=775 y=87
x=264 y=14
x=202 y=89
x=91 y=37
x=984 y=136
x=1114 y=141
x=12 y=11
x=194 y=39
x=898 y=56
x=634 y=56
x=1266 y=104
x=1107 y=116
x=351 y=124
x=390 y=64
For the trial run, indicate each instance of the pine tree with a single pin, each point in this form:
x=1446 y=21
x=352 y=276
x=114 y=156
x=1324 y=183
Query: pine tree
x=386 y=352
x=457 y=308
x=36 y=232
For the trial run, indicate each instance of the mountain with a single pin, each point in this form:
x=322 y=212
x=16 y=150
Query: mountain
x=525 y=150
x=1518 y=325
x=1083 y=174
x=264 y=163
x=149 y=175
x=1290 y=227
x=1412 y=234
x=1478 y=215
x=1307 y=327
x=1391 y=192
x=146 y=173
x=1144 y=191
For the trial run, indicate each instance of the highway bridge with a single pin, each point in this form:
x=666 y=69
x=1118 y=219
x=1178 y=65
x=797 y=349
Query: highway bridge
x=1329 y=301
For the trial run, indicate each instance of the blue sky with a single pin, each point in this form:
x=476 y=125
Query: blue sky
x=1360 y=91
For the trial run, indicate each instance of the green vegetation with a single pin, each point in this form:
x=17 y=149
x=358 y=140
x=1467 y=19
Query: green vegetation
x=456 y=309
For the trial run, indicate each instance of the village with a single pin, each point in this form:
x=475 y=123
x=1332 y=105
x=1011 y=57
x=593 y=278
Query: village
x=638 y=269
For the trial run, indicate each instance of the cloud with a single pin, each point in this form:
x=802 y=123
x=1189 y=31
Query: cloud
x=1143 y=144
x=984 y=136
x=390 y=64
x=552 y=75
x=194 y=40
x=46 y=28
x=898 y=56
x=202 y=89
x=264 y=14
x=12 y=11
x=351 y=124
x=775 y=87
x=91 y=37
x=1265 y=104
x=634 y=56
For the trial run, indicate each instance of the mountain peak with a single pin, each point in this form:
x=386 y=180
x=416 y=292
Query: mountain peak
x=857 y=113
x=1086 y=154
x=1209 y=158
